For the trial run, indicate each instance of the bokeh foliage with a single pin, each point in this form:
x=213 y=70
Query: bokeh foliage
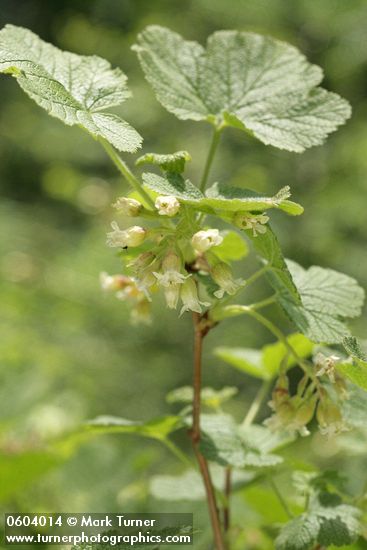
x=67 y=351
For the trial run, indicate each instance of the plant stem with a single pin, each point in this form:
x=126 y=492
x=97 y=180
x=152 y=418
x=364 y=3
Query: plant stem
x=177 y=452
x=256 y=404
x=280 y=498
x=195 y=434
x=123 y=168
x=209 y=160
x=227 y=494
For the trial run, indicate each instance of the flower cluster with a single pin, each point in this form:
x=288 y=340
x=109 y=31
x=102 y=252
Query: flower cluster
x=292 y=413
x=171 y=257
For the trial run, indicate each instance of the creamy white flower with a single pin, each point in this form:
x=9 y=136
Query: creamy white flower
x=171 y=279
x=127 y=206
x=249 y=221
x=333 y=429
x=206 y=239
x=326 y=365
x=223 y=276
x=189 y=297
x=167 y=205
x=133 y=236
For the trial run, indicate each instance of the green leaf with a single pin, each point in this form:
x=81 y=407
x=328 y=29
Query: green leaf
x=354 y=349
x=298 y=534
x=278 y=275
x=73 y=88
x=232 y=248
x=159 y=428
x=327 y=522
x=174 y=162
x=189 y=485
x=327 y=297
x=355 y=408
x=252 y=82
x=223 y=442
x=172 y=184
x=265 y=364
x=233 y=199
x=209 y=396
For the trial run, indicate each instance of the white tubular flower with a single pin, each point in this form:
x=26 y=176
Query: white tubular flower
x=167 y=205
x=171 y=279
x=222 y=275
x=326 y=365
x=203 y=240
x=189 y=297
x=133 y=236
x=128 y=207
x=250 y=221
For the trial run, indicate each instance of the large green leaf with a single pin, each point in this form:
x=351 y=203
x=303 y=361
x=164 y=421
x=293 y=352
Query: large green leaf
x=252 y=82
x=327 y=297
x=265 y=364
x=74 y=88
x=356 y=367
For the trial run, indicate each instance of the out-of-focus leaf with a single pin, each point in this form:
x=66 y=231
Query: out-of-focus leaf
x=209 y=396
x=158 y=428
x=232 y=248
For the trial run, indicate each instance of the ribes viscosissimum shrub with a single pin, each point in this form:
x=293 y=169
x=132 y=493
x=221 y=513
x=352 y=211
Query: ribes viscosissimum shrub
x=269 y=90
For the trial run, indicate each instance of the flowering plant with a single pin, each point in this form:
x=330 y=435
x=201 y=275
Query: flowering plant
x=187 y=242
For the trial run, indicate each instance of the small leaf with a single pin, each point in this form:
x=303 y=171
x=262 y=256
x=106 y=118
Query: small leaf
x=73 y=88
x=255 y=83
x=172 y=184
x=265 y=364
x=232 y=248
x=245 y=359
x=353 y=348
x=327 y=297
x=174 y=162
x=298 y=534
x=233 y=199
x=158 y=428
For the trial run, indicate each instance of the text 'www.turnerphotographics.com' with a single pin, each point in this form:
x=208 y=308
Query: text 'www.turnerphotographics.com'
x=112 y=529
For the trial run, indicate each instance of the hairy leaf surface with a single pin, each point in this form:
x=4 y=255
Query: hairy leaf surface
x=249 y=81
x=73 y=88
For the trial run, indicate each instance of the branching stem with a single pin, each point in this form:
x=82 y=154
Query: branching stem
x=123 y=168
x=199 y=333
x=256 y=404
x=280 y=498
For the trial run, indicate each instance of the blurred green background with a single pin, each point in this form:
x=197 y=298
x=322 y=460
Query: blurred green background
x=67 y=351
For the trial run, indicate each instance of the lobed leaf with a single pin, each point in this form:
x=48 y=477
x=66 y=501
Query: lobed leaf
x=252 y=82
x=73 y=88
x=328 y=297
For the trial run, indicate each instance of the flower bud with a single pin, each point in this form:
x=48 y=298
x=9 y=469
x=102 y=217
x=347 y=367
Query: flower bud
x=330 y=418
x=222 y=275
x=167 y=205
x=204 y=240
x=245 y=220
x=133 y=236
x=128 y=207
